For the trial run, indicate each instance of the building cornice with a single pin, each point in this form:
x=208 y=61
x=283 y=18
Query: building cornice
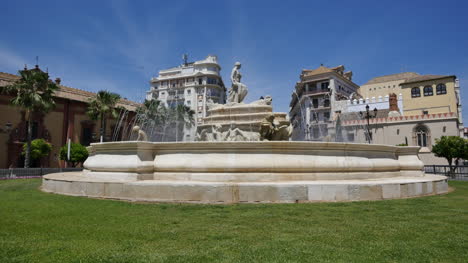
x=403 y=119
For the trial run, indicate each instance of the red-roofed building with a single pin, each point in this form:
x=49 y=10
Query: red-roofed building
x=67 y=120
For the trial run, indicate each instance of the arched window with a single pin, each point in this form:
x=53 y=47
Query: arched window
x=415 y=92
x=421 y=136
x=428 y=91
x=441 y=89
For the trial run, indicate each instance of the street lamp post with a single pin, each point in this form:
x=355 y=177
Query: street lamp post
x=368 y=115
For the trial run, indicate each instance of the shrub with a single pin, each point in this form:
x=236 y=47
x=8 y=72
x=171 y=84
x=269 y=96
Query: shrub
x=78 y=153
x=39 y=148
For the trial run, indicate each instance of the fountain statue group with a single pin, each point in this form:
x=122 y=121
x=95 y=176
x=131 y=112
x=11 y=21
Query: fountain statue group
x=238 y=121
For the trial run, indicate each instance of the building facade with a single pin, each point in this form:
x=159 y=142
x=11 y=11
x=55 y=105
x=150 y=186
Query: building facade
x=67 y=120
x=312 y=107
x=416 y=130
x=193 y=84
x=432 y=94
x=422 y=94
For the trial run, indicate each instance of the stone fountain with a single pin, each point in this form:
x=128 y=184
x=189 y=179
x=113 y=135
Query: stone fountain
x=243 y=156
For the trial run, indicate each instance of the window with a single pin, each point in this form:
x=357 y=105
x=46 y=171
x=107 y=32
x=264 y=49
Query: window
x=189 y=103
x=324 y=85
x=425 y=112
x=428 y=91
x=315 y=103
x=441 y=89
x=421 y=136
x=315 y=132
x=200 y=81
x=350 y=137
x=398 y=131
x=415 y=92
x=314 y=116
x=34 y=131
x=189 y=92
x=444 y=129
x=212 y=81
x=87 y=136
x=326 y=116
x=326 y=103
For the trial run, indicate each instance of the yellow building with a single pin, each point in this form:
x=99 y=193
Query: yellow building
x=429 y=94
x=421 y=94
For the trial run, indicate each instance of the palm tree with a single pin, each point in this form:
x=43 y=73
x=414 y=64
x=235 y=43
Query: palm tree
x=33 y=92
x=183 y=114
x=152 y=114
x=102 y=107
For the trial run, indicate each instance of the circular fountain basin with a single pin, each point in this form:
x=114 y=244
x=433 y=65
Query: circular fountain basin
x=236 y=172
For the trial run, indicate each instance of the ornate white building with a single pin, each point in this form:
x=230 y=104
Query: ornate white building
x=313 y=102
x=193 y=84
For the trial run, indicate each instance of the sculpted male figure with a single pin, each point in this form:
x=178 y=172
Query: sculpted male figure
x=141 y=134
x=238 y=91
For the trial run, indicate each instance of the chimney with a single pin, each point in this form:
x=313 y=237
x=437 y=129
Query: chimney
x=393 y=102
x=57 y=81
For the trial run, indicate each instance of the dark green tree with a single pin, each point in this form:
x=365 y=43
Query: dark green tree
x=452 y=148
x=32 y=92
x=102 y=107
x=182 y=114
x=78 y=153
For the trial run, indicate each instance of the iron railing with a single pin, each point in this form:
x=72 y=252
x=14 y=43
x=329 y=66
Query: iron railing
x=460 y=173
x=13 y=173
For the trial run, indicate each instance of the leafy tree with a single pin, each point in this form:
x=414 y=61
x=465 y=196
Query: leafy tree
x=102 y=107
x=78 y=153
x=452 y=148
x=32 y=92
x=39 y=148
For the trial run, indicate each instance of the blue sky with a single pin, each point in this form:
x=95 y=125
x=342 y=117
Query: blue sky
x=119 y=45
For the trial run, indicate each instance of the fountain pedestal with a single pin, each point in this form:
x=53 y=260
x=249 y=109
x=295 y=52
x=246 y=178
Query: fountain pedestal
x=237 y=121
x=237 y=172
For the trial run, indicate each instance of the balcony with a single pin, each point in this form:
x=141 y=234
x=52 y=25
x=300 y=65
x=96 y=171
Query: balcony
x=316 y=92
x=176 y=97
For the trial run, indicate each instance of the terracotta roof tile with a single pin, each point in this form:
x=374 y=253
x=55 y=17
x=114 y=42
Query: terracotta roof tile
x=392 y=77
x=70 y=93
x=426 y=77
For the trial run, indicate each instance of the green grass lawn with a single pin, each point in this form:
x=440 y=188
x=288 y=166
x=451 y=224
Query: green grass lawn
x=41 y=227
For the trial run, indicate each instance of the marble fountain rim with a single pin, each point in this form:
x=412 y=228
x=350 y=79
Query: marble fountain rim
x=286 y=145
